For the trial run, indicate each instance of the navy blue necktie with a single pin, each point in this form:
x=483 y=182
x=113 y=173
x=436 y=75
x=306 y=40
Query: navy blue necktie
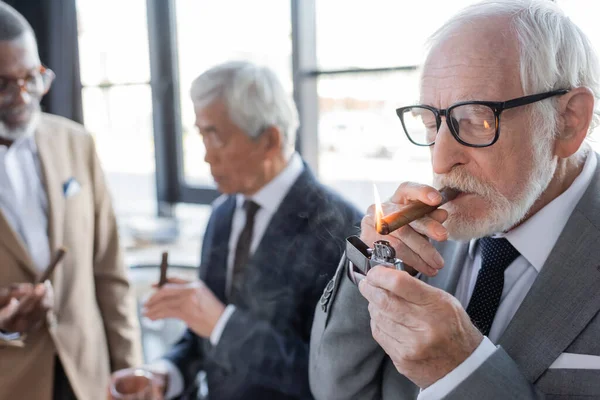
x=496 y=255
x=242 y=249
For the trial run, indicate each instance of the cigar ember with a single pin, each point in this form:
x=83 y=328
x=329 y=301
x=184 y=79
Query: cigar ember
x=58 y=256
x=163 y=269
x=413 y=211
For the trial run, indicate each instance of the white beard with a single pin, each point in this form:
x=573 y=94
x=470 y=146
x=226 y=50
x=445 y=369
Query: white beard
x=502 y=213
x=24 y=130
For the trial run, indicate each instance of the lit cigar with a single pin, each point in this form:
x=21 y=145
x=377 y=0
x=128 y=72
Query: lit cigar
x=58 y=256
x=411 y=212
x=163 y=269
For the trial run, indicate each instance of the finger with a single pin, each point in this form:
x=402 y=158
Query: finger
x=431 y=225
x=402 y=285
x=411 y=191
x=48 y=300
x=19 y=290
x=171 y=306
x=5 y=297
x=172 y=280
x=178 y=281
x=409 y=255
x=164 y=314
x=396 y=324
x=27 y=304
x=9 y=310
x=402 y=315
x=384 y=304
x=387 y=342
x=417 y=251
x=163 y=311
x=167 y=292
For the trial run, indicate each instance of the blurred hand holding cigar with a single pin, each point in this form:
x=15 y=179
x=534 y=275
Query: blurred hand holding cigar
x=164 y=265
x=23 y=306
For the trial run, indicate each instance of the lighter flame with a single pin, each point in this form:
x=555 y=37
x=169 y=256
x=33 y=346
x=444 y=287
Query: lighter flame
x=486 y=125
x=378 y=209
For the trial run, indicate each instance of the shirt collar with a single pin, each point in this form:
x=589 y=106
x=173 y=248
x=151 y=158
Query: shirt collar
x=27 y=142
x=270 y=196
x=535 y=238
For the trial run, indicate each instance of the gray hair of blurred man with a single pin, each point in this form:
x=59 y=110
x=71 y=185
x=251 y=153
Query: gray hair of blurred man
x=554 y=52
x=254 y=97
x=12 y=24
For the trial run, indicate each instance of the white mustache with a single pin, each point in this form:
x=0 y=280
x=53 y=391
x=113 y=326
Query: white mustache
x=460 y=180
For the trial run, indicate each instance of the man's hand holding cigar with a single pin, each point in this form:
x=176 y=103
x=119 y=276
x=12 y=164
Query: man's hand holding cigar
x=189 y=301
x=23 y=306
x=412 y=241
x=425 y=331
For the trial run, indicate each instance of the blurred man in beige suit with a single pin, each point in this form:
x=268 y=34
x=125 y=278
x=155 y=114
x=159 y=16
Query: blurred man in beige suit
x=62 y=339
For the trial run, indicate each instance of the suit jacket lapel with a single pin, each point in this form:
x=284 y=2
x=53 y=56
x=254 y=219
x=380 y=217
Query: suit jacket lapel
x=565 y=296
x=55 y=172
x=12 y=242
x=288 y=221
x=215 y=249
x=454 y=255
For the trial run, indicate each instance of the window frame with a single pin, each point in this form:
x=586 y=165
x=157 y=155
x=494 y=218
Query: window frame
x=171 y=186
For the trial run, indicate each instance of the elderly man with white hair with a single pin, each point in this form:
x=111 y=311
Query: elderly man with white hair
x=507 y=302
x=271 y=244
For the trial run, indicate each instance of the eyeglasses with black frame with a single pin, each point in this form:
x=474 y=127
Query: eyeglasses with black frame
x=472 y=123
x=37 y=83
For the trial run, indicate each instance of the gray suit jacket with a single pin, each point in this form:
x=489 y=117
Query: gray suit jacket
x=561 y=313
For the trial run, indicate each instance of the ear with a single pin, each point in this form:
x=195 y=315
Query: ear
x=272 y=141
x=575 y=115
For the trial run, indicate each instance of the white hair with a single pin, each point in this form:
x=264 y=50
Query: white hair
x=554 y=52
x=253 y=96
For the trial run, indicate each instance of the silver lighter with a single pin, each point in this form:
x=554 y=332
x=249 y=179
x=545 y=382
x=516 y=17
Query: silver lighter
x=361 y=258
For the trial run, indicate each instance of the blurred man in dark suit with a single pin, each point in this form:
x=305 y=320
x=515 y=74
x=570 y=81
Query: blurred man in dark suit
x=271 y=246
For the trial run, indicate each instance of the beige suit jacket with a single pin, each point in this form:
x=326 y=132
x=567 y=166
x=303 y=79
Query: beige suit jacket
x=93 y=328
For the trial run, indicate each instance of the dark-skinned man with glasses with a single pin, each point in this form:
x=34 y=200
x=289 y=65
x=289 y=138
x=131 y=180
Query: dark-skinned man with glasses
x=60 y=339
x=500 y=293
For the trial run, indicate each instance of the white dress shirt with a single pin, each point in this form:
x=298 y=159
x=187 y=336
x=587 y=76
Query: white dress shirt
x=269 y=198
x=23 y=199
x=534 y=239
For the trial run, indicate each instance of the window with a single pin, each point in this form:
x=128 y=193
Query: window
x=117 y=98
x=358 y=62
x=360 y=138
x=209 y=33
x=579 y=12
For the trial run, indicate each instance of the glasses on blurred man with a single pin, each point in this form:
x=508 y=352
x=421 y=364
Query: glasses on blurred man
x=472 y=123
x=37 y=83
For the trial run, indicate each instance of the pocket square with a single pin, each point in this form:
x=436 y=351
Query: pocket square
x=71 y=187
x=576 y=361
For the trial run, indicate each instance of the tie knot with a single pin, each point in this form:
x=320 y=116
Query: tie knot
x=251 y=208
x=497 y=253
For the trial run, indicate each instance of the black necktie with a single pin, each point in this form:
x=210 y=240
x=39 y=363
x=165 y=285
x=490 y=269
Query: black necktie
x=242 y=249
x=496 y=255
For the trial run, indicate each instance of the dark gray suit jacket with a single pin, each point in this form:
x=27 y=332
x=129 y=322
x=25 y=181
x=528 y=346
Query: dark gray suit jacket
x=561 y=313
x=263 y=350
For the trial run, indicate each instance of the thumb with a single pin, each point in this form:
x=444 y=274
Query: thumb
x=9 y=309
x=173 y=281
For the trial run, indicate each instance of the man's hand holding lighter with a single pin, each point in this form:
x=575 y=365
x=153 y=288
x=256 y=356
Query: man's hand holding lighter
x=412 y=241
x=425 y=331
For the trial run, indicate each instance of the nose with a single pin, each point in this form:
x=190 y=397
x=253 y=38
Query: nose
x=22 y=97
x=211 y=155
x=447 y=152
